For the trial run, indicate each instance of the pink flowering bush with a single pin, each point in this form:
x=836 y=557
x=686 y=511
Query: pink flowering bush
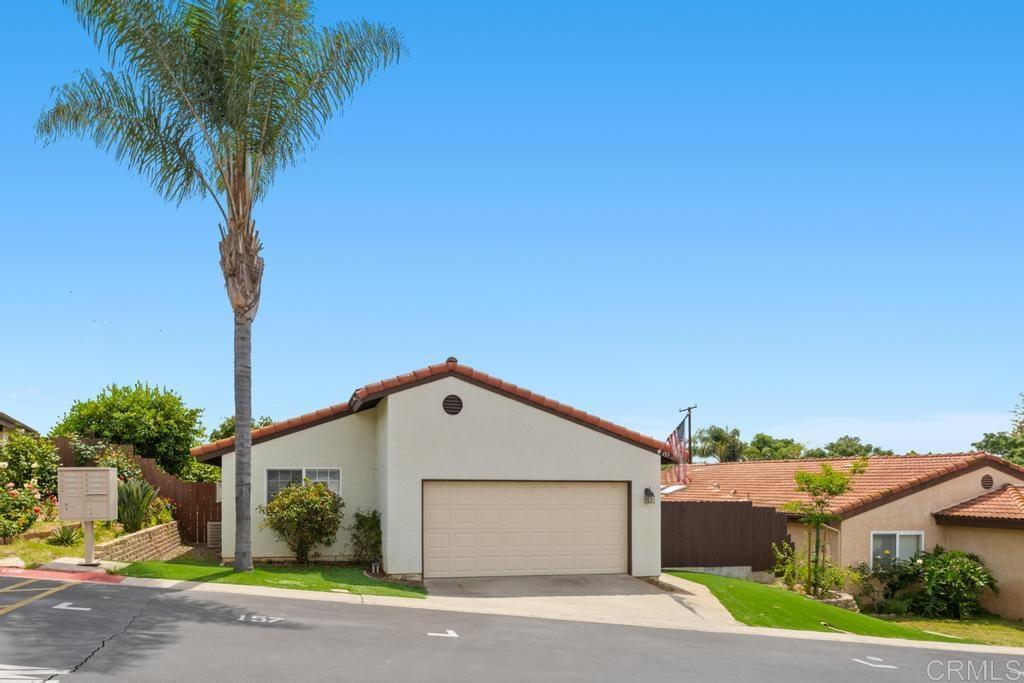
x=25 y=458
x=20 y=506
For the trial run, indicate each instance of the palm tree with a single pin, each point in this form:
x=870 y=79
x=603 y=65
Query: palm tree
x=212 y=98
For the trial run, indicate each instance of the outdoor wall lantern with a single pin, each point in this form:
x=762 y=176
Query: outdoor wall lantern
x=649 y=496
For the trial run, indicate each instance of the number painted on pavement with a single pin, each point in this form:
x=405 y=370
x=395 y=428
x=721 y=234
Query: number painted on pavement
x=259 y=619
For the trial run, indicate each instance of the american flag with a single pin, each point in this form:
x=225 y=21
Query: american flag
x=679 y=450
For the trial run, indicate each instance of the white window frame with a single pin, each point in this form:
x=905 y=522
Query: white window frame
x=304 y=470
x=871 y=542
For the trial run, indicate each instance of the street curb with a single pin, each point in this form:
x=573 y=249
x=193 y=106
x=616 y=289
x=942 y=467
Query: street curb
x=51 y=575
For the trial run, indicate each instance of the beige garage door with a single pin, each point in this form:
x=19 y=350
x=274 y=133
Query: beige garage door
x=508 y=528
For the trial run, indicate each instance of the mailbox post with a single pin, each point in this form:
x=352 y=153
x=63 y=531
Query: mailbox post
x=87 y=494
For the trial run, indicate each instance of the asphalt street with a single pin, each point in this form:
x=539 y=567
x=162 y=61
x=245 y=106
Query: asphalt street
x=90 y=632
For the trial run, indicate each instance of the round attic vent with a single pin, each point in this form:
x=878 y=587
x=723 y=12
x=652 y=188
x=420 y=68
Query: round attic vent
x=452 y=404
x=986 y=481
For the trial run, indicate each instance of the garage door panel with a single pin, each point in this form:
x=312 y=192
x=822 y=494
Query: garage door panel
x=521 y=528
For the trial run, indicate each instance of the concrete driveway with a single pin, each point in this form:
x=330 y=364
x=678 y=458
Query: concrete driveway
x=608 y=599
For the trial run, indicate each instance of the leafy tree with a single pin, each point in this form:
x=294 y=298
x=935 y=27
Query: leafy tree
x=821 y=487
x=199 y=472
x=226 y=428
x=214 y=99
x=721 y=443
x=155 y=421
x=846 y=447
x=765 y=447
x=1009 y=444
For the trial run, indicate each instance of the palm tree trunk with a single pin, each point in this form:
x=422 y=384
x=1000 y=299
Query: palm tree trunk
x=243 y=273
x=243 y=445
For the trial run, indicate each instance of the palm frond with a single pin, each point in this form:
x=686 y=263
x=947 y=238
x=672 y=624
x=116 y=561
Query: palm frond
x=326 y=69
x=136 y=122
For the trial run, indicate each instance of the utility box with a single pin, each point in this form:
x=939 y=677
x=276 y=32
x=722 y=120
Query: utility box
x=87 y=493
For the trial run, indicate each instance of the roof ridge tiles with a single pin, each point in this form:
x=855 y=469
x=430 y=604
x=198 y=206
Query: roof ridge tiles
x=381 y=388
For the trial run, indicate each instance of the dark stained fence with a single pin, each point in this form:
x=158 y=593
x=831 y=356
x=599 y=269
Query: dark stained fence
x=720 y=534
x=197 y=503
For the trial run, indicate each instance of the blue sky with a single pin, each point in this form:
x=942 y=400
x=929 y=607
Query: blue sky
x=804 y=217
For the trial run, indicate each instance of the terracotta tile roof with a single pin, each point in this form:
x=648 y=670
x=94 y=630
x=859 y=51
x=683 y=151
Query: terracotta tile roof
x=221 y=446
x=1004 y=503
x=770 y=482
x=366 y=396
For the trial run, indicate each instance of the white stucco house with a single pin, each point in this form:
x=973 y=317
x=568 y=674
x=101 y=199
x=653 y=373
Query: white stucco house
x=473 y=476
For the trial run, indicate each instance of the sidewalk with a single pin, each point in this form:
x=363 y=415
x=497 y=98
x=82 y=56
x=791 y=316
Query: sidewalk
x=488 y=606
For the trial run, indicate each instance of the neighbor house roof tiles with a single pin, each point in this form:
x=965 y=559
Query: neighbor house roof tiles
x=771 y=483
x=366 y=396
x=1005 y=504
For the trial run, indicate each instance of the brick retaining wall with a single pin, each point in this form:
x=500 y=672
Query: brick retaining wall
x=148 y=544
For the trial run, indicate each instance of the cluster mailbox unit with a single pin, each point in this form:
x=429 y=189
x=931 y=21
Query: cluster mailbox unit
x=87 y=494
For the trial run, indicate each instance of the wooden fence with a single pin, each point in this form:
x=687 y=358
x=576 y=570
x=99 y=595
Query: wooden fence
x=720 y=534
x=197 y=503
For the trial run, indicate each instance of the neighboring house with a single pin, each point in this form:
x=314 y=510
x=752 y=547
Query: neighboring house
x=8 y=424
x=473 y=476
x=899 y=505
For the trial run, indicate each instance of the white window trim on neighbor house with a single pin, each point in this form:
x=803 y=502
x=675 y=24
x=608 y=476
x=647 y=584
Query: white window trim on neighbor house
x=304 y=476
x=897 y=534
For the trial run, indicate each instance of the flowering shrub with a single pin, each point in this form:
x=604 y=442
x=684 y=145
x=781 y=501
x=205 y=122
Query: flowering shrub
x=103 y=454
x=126 y=466
x=161 y=511
x=19 y=508
x=24 y=458
x=304 y=516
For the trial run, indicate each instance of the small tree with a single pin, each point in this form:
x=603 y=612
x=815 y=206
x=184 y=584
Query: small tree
x=226 y=428
x=1009 y=444
x=822 y=487
x=721 y=443
x=304 y=516
x=846 y=447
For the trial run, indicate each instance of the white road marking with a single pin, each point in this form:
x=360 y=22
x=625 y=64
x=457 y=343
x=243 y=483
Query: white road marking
x=67 y=605
x=447 y=634
x=874 y=659
x=873 y=665
x=10 y=672
x=259 y=619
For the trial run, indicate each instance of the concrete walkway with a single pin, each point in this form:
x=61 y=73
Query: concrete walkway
x=606 y=599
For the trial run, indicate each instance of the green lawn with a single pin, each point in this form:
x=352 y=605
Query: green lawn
x=991 y=630
x=310 y=578
x=37 y=551
x=755 y=604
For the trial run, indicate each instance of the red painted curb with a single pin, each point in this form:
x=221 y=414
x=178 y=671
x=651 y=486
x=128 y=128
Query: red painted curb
x=88 y=577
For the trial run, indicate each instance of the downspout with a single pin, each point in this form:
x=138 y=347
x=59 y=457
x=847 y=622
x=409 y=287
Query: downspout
x=839 y=544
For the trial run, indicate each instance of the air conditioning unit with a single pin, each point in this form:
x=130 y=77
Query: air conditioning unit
x=213 y=534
